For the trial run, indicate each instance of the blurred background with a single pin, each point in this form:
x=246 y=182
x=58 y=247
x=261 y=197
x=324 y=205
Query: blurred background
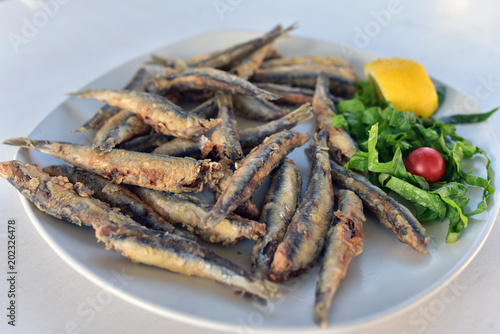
x=51 y=47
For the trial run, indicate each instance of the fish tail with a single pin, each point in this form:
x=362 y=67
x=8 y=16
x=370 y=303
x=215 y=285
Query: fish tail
x=321 y=313
x=272 y=291
x=20 y=141
x=88 y=93
x=293 y=26
x=303 y=113
x=78 y=94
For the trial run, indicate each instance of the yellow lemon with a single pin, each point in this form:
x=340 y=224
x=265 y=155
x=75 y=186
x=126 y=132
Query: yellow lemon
x=405 y=83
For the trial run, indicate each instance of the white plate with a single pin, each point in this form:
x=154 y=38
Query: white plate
x=382 y=281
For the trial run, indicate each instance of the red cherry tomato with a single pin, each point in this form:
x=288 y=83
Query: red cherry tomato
x=426 y=162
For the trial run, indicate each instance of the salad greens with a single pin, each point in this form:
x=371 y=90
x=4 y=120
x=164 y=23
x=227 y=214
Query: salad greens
x=393 y=134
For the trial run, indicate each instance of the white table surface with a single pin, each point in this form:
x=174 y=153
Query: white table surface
x=457 y=41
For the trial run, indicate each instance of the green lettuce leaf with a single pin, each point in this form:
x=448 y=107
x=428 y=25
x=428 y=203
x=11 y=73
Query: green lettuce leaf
x=468 y=118
x=393 y=134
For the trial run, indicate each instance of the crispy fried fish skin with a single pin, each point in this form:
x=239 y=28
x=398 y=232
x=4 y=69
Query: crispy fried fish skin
x=182 y=147
x=207 y=109
x=341 y=145
x=225 y=57
x=60 y=198
x=142 y=76
x=344 y=241
x=115 y=195
x=251 y=137
x=166 y=61
x=182 y=256
x=139 y=81
x=207 y=78
x=253 y=170
x=278 y=209
x=258 y=109
x=248 y=208
x=99 y=119
x=273 y=53
x=125 y=125
x=292 y=95
x=190 y=212
x=252 y=62
x=228 y=148
x=390 y=213
x=118 y=129
x=142 y=169
x=342 y=81
x=306 y=233
x=146 y=143
x=164 y=116
x=309 y=60
x=225 y=135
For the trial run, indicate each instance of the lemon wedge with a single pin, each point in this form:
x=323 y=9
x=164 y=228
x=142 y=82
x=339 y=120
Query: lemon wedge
x=405 y=83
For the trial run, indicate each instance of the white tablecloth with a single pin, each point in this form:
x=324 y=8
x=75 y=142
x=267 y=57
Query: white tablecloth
x=46 y=53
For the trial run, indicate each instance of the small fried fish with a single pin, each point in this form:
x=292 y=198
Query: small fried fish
x=278 y=209
x=251 y=137
x=342 y=81
x=142 y=169
x=146 y=143
x=139 y=82
x=252 y=171
x=344 y=241
x=182 y=147
x=164 y=116
x=225 y=136
x=292 y=95
x=58 y=197
x=341 y=145
x=305 y=236
x=248 y=208
x=118 y=129
x=207 y=78
x=182 y=256
x=99 y=118
x=227 y=147
x=252 y=62
x=190 y=212
x=116 y=195
x=225 y=57
x=309 y=60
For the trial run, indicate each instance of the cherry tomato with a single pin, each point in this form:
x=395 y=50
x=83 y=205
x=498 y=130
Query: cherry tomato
x=426 y=162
